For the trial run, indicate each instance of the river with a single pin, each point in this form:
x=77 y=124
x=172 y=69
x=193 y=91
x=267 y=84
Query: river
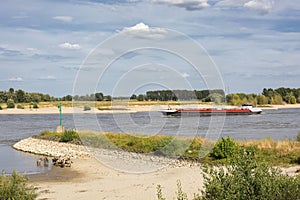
x=276 y=124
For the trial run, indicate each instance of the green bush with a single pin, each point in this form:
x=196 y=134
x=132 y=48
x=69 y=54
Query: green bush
x=35 y=105
x=0 y=107
x=16 y=187
x=19 y=106
x=246 y=178
x=224 y=148
x=298 y=137
x=69 y=135
x=10 y=103
x=86 y=108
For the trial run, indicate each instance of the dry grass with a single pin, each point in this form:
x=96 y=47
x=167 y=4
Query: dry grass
x=286 y=146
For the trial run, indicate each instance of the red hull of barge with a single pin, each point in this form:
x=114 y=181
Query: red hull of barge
x=208 y=112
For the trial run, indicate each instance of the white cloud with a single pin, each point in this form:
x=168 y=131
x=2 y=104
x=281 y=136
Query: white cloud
x=187 y=4
x=231 y=3
x=185 y=75
x=262 y=6
x=16 y=79
x=144 y=31
x=70 y=46
x=63 y=18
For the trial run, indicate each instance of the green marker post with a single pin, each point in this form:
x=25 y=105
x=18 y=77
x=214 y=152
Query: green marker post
x=60 y=128
x=60 y=112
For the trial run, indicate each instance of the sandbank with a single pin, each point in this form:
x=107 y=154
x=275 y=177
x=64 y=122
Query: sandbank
x=107 y=176
x=130 y=109
x=89 y=179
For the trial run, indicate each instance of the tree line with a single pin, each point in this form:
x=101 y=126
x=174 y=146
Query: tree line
x=20 y=96
x=268 y=96
x=98 y=96
x=175 y=95
x=277 y=96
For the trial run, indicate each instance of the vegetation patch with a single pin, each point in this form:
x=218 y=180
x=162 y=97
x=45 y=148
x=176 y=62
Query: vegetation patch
x=86 y=108
x=16 y=186
x=20 y=106
x=279 y=153
x=243 y=178
x=69 y=136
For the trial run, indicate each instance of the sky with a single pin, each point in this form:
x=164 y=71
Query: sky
x=123 y=47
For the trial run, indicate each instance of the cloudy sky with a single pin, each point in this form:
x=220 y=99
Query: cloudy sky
x=54 y=46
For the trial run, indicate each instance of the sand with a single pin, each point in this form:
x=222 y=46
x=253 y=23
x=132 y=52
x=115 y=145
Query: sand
x=89 y=179
x=115 y=174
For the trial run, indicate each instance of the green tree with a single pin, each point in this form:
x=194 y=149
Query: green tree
x=293 y=100
x=99 y=96
x=10 y=103
x=108 y=98
x=298 y=99
x=290 y=98
x=11 y=90
x=140 y=97
x=20 y=96
x=262 y=100
x=133 y=96
x=278 y=99
x=236 y=100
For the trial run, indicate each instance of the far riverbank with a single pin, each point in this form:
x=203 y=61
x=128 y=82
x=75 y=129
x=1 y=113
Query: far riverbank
x=129 y=109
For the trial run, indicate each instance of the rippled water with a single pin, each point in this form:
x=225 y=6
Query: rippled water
x=277 y=124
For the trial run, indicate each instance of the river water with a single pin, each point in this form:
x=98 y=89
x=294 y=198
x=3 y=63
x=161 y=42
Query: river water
x=275 y=124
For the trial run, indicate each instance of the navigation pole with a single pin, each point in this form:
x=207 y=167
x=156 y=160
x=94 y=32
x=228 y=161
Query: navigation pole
x=60 y=128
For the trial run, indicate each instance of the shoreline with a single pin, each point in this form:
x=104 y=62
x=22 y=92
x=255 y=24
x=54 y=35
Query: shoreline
x=95 y=178
x=131 y=109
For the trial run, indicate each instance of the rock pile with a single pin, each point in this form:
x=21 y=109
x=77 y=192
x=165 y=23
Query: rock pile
x=62 y=162
x=64 y=152
x=51 y=148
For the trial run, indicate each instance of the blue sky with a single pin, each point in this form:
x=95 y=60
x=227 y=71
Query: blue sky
x=44 y=44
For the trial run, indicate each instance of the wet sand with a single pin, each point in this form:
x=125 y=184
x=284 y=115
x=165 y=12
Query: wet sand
x=89 y=179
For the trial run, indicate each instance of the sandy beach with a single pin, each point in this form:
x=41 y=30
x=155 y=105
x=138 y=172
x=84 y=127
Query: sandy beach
x=89 y=179
x=113 y=174
x=94 y=178
x=130 y=109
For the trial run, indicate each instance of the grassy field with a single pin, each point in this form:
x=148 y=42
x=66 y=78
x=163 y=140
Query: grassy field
x=282 y=153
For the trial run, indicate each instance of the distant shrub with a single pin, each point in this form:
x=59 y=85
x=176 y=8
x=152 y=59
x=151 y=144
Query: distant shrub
x=16 y=187
x=86 y=108
x=35 y=105
x=224 y=148
x=0 y=107
x=10 y=103
x=19 y=106
x=298 y=137
x=69 y=135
